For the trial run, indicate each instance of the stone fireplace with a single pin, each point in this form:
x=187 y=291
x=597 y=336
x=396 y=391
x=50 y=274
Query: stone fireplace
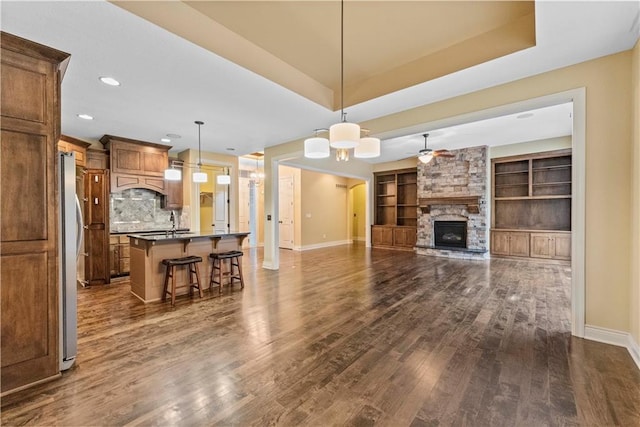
x=452 y=195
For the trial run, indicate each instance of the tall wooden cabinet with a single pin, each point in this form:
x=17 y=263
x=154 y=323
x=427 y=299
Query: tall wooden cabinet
x=96 y=218
x=532 y=205
x=396 y=209
x=30 y=77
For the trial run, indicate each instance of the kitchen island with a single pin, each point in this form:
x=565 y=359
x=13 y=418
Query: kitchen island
x=148 y=251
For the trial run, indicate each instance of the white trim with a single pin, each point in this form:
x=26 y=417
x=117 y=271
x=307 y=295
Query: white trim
x=634 y=350
x=325 y=245
x=613 y=337
x=578 y=212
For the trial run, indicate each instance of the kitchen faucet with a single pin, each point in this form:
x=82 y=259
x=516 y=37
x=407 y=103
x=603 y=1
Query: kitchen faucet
x=172 y=218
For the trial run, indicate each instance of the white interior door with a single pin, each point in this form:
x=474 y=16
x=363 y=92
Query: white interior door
x=220 y=219
x=285 y=212
x=244 y=200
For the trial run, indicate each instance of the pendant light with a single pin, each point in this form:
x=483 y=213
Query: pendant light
x=199 y=176
x=344 y=135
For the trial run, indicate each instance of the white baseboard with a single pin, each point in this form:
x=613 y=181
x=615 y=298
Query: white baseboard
x=325 y=245
x=268 y=265
x=619 y=338
x=634 y=350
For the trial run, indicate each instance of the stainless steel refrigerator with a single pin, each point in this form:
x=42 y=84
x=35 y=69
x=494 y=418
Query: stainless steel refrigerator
x=71 y=234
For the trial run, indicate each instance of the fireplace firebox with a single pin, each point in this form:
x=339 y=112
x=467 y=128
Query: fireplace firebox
x=450 y=234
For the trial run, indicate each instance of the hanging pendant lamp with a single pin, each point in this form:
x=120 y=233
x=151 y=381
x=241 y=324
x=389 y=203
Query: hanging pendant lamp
x=199 y=176
x=343 y=134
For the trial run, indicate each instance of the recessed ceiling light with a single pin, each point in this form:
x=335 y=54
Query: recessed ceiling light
x=524 y=115
x=173 y=136
x=165 y=140
x=231 y=149
x=109 y=81
x=85 y=116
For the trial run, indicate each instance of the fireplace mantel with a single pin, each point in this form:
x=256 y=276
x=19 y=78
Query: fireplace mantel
x=472 y=202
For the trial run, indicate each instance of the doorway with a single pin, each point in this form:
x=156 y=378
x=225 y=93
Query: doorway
x=286 y=212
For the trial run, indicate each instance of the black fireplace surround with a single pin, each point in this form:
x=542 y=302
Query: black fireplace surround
x=450 y=234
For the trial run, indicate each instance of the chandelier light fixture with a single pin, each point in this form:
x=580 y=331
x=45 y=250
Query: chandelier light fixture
x=199 y=176
x=256 y=175
x=343 y=136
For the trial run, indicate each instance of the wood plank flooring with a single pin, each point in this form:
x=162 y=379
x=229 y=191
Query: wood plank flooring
x=342 y=336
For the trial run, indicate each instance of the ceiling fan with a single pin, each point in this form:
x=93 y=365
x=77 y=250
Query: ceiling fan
x=426 y=154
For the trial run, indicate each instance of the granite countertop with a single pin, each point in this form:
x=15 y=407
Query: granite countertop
x=158 y=231
x=180 y=236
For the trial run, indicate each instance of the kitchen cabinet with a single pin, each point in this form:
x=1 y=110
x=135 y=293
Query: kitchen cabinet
x=174 y=198
x=97 y=159
x=510 y=243
x=136 y=164
x=68 y=144
x=96 y=209
x=551 y=245
x=119 y=256
x=30 y=77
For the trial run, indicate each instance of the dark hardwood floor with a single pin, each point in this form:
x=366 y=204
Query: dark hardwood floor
x=342 y=336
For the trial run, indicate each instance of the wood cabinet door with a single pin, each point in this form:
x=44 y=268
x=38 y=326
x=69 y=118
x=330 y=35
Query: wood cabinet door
x=381 y=236
x=519 y=244
x=174 y=196
x=541 y=245
x=500 y=242
x=562 y=246
x=30 y=126
x=404 y=237
x=98 y=262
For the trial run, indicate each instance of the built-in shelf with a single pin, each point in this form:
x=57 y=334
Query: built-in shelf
x=532 y=218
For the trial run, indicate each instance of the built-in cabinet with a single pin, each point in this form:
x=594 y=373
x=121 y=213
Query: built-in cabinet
x=174 y=198
x=532 y=205
x=396 y=209
x=68 y=144
x=96 y=211
x=119 y=256
x=136 y=164
x=510 y=243
x=97 y=159
x=551 y=245
x=30 y=77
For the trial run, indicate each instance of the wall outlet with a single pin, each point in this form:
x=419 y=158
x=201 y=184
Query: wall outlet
x=324 y=236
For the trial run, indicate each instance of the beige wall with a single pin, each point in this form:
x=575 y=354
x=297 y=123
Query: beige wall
x=635 y=198
x=529 y=147
x=327 y=206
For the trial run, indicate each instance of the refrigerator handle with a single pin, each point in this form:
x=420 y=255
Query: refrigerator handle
x=80 y=226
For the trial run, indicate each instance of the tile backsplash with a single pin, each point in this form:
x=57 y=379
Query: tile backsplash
x=140 y=209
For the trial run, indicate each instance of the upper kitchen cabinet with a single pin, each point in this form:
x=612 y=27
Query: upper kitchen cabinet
x=68 y=144
x=30 y=76
x=174 y=188
x=136 y=164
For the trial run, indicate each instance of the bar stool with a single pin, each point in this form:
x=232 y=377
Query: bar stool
x=218 y=269
x=192 y=264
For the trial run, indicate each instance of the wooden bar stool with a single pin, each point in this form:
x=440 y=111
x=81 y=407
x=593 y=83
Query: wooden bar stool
x=218 y=271
x=192 y=264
